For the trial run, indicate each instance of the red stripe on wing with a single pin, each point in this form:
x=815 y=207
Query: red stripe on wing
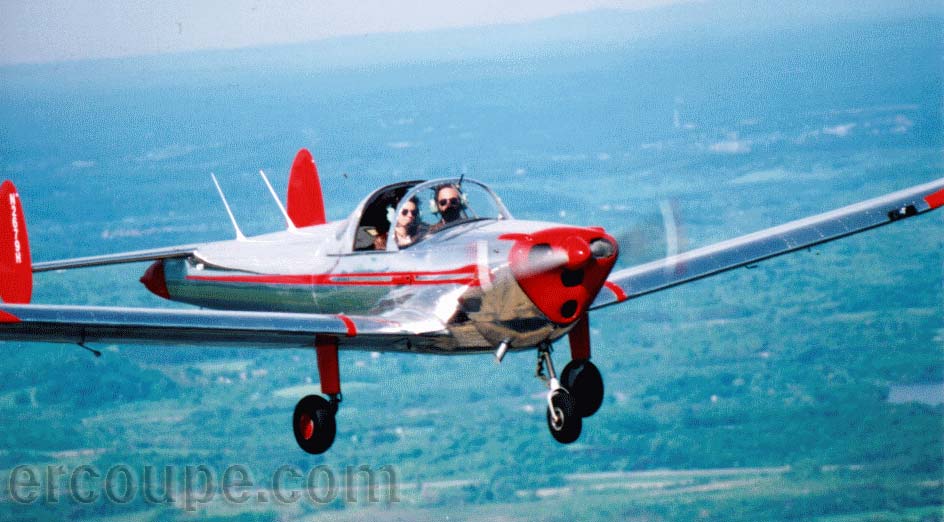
x=935 y=200
x=617 y=291
x=351 y=327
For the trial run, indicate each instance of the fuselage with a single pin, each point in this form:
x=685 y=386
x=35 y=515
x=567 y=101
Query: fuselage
x=479 y=279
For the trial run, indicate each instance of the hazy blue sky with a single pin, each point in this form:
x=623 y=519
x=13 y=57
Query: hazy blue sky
x=56 y=30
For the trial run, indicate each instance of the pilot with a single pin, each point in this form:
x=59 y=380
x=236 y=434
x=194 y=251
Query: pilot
x=449 y=206
x=407 y=222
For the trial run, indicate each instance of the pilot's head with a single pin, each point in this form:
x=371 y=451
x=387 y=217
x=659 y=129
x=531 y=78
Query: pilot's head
x=449 y=203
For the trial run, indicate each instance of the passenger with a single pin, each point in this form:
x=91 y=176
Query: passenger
x=380 y=240
x=449 y=205
x=407 y=222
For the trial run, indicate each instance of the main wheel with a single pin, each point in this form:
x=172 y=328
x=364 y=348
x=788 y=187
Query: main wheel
x=566 y=428
x=583 y=380
x=314 y=424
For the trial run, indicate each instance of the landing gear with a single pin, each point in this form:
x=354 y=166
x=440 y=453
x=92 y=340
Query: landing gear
x=563 y=419
x=314 y=424
x=583 y=380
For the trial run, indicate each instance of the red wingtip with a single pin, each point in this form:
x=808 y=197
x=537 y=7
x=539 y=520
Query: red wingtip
x=305 y=203
x=16 y=267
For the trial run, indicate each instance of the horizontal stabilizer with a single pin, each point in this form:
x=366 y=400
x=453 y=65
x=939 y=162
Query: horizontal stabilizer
x=136 y=256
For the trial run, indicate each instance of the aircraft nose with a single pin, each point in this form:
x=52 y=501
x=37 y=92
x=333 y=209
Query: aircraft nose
x=578 y=251
x=562 y=269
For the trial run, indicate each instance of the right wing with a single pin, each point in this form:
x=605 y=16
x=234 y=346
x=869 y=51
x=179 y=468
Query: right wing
x=713 y=259
x=92 y=324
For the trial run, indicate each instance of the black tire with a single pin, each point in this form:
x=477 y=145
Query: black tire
x=583 y=380
x=313 y=424
x=568 y=429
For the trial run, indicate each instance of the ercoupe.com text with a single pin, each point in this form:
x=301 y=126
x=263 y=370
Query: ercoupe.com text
x=192 y=486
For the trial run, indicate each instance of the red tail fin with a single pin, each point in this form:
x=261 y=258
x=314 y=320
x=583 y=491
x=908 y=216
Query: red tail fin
x=305 y=202
x=16 y=268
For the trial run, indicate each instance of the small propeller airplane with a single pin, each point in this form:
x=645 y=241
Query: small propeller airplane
x=461 y=276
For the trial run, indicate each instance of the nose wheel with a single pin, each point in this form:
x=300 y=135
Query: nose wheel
x=563 y=417
x=313 y=423
x=563 y=420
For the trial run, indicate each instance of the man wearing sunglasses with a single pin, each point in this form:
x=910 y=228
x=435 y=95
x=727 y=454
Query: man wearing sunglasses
x=449 y=206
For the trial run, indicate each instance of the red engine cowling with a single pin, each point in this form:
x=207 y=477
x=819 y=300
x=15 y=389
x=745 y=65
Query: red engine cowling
x=562 y=269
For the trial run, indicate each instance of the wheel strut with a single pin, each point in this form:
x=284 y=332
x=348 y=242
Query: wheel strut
x=314 y=420
x=563 y=419
x=546 y=363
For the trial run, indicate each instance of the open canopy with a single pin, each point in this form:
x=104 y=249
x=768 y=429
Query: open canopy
x=447 y=202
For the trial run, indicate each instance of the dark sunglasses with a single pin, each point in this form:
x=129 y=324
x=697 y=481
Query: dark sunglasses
x=444 y=202
x=408 y=212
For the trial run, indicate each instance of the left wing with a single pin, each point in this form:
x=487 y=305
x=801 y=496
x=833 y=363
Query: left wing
x=665 y=273
x=90 y=324
x=19 y=321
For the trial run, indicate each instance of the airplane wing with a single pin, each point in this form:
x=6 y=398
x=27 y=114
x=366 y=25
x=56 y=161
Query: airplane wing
x=90 y=324
x=111 y=259
x=713 y=259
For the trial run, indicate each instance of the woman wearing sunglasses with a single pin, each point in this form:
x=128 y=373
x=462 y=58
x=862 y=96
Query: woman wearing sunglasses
x=406 y=227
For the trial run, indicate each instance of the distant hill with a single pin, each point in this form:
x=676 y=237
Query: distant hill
x=568 y=34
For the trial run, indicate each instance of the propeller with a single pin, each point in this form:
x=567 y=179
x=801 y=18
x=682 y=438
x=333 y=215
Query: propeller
x=652 y=236
x=574 y=253
x=562 y=268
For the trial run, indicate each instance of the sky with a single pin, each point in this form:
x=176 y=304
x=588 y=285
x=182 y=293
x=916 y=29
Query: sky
x=66 y=30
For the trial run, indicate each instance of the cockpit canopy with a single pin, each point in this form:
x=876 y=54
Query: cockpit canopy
x=403 y=214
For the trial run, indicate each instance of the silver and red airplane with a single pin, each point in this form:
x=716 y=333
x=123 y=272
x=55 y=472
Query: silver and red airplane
x=437 y=267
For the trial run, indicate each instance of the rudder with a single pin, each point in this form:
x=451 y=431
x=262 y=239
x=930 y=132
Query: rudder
x=304 y=201
x=16 y=267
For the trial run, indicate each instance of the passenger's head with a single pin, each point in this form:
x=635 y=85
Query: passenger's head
x=448 y=202
x=408 y=213
x=380 y=240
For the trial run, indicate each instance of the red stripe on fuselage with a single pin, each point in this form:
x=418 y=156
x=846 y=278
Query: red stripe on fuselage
x=935 y=200
x=466 y=275
x=8 y=317
x=617 y=291
x=265 y=279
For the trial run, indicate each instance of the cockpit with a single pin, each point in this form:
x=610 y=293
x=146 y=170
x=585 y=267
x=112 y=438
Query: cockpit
x=401 y=215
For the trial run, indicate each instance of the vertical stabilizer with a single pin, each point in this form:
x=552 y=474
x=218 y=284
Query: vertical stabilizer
x=16 y=268
x=305 y=202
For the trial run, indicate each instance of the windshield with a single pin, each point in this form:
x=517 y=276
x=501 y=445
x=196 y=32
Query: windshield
x=440 y=204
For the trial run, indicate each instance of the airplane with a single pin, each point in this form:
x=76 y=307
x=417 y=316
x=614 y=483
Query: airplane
x=433 y=267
